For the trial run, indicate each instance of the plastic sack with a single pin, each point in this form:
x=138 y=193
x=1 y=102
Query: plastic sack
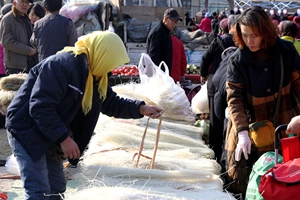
x=199 y=102
x=12 y=166
x=282 y=181
x=261 y=166
x=161 y=89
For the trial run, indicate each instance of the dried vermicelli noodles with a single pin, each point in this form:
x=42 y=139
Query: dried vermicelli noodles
x=184 y=167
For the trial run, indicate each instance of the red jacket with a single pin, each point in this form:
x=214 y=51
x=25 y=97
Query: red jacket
x=205 y=25
x=178 y=60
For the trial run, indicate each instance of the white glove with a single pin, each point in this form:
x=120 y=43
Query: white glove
x=243 y=146
x=227 y=113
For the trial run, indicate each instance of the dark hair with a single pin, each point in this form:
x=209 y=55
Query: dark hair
x=38 y=9
x=52 y=5
x=259 y=21
x=288 y=28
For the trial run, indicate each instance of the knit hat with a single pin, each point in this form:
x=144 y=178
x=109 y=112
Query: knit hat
x=207 y=15
x=172 y=14
x=296 y=19
x=223 y=23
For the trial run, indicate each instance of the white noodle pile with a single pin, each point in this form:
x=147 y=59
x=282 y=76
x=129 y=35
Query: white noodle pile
x=183 y=170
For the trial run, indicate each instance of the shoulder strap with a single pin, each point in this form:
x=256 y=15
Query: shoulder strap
x=279 y=92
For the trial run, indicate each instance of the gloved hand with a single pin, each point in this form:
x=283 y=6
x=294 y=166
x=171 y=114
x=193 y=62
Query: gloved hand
x=243 y=146
x=227 y=113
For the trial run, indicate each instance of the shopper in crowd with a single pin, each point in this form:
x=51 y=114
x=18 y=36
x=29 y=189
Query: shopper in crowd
x=205 y=24
x=209 y=64
x=35 y=12
x=54 y=31
x=159 y=42
x=253 y=86
x=5 y=9
x=189 y=22
x=15 y=33
x=296 y=20
x=288 y=30
x=215 y=23
x=179 y=61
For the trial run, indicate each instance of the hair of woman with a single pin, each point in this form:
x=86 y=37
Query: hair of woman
x=260 y=22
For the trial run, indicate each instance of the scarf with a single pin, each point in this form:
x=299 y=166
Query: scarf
x=105 y=51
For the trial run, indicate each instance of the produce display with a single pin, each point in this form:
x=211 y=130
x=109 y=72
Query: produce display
x=192 y=69
x=126 y=70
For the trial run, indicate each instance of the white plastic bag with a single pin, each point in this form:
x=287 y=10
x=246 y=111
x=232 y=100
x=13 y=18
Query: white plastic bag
x=199 y=103
x=12 y=166
x=161 y=89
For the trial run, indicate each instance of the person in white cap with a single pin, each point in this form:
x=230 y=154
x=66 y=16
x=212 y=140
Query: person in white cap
x=205 y=24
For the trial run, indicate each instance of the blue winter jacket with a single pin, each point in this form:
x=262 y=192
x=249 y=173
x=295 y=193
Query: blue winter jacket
x=51 y=97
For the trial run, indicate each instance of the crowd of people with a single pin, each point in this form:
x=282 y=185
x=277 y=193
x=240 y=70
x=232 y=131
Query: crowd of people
x=259 y=81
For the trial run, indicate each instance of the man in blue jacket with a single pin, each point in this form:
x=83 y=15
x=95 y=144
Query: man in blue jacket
x=61 y=89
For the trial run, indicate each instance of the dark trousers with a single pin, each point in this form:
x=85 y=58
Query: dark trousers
x=215 y=131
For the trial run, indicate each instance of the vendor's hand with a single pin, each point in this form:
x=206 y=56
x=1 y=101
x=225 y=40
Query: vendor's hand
x=152 y=111
x=70 y=148
x=203 y=79
x=243 y=146
x=294 y=126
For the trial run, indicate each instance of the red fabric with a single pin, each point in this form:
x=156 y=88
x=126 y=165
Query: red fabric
x=178 y=60
x=205 y=25
x=281 y=181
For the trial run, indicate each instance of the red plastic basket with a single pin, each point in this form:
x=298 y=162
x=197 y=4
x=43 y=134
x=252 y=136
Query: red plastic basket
x=290 y=148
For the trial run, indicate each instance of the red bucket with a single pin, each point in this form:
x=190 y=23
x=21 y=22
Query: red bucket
x=290 y=148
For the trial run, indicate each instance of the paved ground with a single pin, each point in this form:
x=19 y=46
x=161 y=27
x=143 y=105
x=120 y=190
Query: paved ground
x=5 y=151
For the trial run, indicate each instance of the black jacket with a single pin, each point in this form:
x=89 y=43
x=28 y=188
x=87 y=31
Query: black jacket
x=219 y=81
x=212 y=58
x=159 y=45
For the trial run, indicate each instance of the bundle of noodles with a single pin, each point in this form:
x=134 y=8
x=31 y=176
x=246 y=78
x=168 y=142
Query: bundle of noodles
x=178 y=110
x=9 y=85
x=183 y=165
x=133 y=91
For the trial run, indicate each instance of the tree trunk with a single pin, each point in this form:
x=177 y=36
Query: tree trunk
x=231 y=4
x=206 y=5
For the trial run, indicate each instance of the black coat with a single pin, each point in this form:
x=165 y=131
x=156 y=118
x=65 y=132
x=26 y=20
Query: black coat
x=159 y=45
x=212 y=58
x=219 y=81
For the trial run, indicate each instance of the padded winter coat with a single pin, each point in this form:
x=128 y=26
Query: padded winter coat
x=50 y=100
x=252 y=87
